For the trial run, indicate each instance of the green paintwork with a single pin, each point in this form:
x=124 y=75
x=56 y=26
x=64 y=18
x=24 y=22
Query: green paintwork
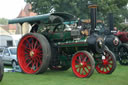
x=60 y=36
x=72 y=43
x=65 y=42
x=65 y=60
x=45 y=18
x=71 y=22
x=64 y=39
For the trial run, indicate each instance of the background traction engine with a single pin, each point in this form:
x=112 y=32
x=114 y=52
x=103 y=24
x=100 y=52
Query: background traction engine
x=123 y=48
x=50 y=46
x=116 y=41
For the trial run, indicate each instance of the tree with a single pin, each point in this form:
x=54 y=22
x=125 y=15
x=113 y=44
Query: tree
x=3 y=21
x=76 y=7
x=80 y=9
x=117 y=7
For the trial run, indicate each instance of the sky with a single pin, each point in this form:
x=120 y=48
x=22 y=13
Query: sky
x=10 y=9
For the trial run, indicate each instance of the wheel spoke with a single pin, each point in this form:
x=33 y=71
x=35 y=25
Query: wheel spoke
x=39 y=60
x=79 y=59
x=37 y=65
x=27 y=48
x=39 y=56
x=110 y=63
x=87 y=67
x=32 y=43
x=88 y=61
x=29 y=44
x=103 y=69
x=27 y=58
x=79 y=69
x=27 y=51
x=29 y=64
x=82 y=72
x=35 y=45
x=38 y=46
x=85 y=71
x=109 y=66
x=33 y=64
x=84 y=59
x=110 y=59
x=39 y=51
x=106 y=68
x=76 y=63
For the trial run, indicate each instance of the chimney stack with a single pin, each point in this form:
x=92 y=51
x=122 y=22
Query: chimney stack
x=93 y=10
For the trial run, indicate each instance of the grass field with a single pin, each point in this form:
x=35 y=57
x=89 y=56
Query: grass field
x=118 y=77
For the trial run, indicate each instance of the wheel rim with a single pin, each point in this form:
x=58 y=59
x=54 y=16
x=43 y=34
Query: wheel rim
x=105 y=63
x=30 y=54
x=123 y=56
x=81 y=65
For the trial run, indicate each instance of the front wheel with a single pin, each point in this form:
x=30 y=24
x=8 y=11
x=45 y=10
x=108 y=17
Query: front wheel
x=83 y=64
x=105 y=62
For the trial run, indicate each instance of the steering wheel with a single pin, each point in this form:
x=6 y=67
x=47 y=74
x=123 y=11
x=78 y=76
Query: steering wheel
x=59 y=27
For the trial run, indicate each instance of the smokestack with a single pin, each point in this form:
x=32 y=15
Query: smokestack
x=111 y=21
x=93 y=10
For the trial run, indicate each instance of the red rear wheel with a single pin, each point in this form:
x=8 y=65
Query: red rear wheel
x=83 y=64
x=106 y=62
x=33 y=53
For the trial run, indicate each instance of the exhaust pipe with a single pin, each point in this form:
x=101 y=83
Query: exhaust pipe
x=93 y=10
x=111 y=21
x=95 y=42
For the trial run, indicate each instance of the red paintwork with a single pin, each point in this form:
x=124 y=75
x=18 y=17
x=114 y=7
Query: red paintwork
x=123 y=36
x=81 y=65
x=104 y=66
x=30 y=54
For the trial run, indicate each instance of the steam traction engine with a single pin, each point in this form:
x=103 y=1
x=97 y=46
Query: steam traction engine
x=116 y=41
x=123 y=49
x=50 y=44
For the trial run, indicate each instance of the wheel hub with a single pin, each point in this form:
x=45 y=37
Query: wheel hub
x=81 y=65
x=100 y=44
x=105 y=62
x=31 y=53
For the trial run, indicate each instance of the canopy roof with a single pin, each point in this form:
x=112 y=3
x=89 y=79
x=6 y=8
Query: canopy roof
x=50 y=18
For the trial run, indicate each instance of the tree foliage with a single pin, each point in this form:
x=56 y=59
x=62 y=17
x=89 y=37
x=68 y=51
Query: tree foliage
x=117 y=7
x=80 y=9
x=3 y=21
x=76 y=7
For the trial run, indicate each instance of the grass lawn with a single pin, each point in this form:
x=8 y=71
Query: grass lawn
x=118 y=77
